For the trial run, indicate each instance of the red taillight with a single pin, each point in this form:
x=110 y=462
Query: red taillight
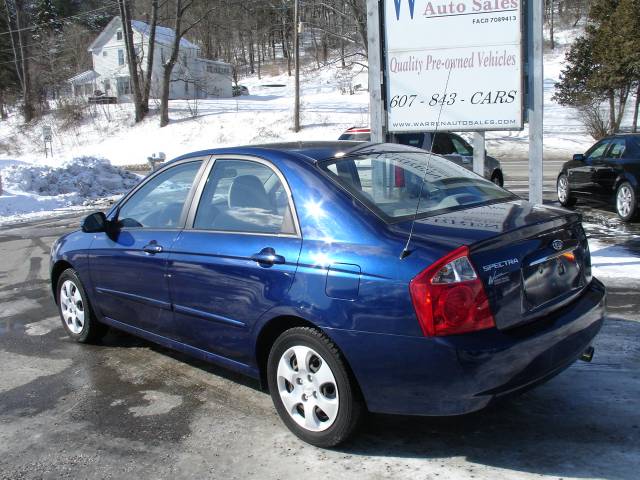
x=449 y=298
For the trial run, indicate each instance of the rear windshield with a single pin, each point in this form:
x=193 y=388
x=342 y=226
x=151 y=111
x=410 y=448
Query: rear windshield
x=390 y=184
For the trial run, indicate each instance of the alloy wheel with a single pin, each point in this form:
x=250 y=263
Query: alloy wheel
x=624 y=201
x=563 y=189
x=72 y=306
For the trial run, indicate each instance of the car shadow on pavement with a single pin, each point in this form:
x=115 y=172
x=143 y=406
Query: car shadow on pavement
x=119 y=339
x=506 y=436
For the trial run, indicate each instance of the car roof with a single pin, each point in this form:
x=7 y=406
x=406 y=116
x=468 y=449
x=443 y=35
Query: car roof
x=623 y=134
x=311 y=151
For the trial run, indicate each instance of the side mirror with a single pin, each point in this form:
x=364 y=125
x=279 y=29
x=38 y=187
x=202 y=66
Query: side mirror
x=94 y=223
x=578 y=157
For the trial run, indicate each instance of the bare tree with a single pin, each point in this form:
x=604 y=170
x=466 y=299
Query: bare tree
x=132 y=59
x=181 y=27
x=16 y=13
x=150 y=54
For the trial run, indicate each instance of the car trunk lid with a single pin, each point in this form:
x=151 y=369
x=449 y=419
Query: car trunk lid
x=531 y=259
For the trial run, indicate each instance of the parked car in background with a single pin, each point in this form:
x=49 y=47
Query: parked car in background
x=451 y=146
x=290 y=263
x=239 y=90
x=608 y=173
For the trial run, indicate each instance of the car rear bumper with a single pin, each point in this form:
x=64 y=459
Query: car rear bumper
x=459 y=374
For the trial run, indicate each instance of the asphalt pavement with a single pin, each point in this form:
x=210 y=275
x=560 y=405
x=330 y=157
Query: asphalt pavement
x=126 y=408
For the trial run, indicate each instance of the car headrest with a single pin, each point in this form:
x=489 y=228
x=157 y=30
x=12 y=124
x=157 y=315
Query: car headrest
x=248 y=191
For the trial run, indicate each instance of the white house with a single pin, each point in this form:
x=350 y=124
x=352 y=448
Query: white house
x=192 y=77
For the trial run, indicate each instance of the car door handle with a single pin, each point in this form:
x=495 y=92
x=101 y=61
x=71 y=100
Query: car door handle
x=152 y=248
x=267 y=256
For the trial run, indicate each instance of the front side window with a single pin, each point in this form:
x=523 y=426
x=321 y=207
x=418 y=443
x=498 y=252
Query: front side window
x=159 y=202
x=390 y=183
x=597 y=151
x=119 y=35
x=244 y=196
x=120 y=57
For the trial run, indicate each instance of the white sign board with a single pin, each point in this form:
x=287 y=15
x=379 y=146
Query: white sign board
x=474 y=43
x=46 y=133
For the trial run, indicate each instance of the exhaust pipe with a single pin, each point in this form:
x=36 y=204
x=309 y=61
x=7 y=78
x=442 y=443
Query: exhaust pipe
x=587 y=355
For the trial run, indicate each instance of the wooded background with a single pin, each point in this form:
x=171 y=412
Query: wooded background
x=44 y=42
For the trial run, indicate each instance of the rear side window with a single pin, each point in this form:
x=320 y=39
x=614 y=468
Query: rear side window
x=462 y=147
x=159 y=202
x=244 y=196
x=442 y=144
x=391 y=183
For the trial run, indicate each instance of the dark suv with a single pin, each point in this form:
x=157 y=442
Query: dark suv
x=451 y=146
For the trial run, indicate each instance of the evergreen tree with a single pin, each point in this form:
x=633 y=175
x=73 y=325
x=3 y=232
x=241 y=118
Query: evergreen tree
x=603 y=64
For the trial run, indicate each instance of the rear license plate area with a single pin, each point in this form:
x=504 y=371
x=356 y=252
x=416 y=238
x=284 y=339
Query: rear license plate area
x=548 y=279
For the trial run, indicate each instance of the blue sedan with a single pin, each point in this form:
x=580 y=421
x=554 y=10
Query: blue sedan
x=346 y=276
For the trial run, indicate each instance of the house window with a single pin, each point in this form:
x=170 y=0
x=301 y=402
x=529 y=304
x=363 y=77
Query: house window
x=120 y=57
x=119 y=35
x=162 y=55
x=124 y=87
x=184 y=58
x=107 y=85
x=217 y=69
x=104 y=53
x=186 y=87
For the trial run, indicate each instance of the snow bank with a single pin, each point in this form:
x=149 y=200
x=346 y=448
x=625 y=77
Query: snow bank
x=30 y=189
x=87 y=177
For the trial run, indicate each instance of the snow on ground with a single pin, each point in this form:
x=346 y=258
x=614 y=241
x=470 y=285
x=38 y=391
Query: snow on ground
x=614 y=262
x=264 y=116
x=34 y=191
x=615 y=254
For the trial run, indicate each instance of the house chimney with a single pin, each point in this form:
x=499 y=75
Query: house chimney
x=147 y=19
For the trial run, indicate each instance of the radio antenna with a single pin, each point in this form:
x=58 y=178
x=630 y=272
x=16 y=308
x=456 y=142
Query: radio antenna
x=406 y=252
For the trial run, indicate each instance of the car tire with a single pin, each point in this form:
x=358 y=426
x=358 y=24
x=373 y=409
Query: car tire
x=302 y=393
x=564 y=192
x=626 y=206
x=496 y=178
x=76 y=314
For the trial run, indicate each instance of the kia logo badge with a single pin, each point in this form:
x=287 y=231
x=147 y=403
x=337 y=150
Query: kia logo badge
x=557 y=245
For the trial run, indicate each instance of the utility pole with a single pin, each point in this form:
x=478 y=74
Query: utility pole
x=536 y=99
x=376 y=110
x=296 y=48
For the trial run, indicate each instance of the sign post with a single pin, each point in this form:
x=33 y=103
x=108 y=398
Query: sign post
x=478 y=153
x=536 y=99
x=47 y=136
x=376 y=108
